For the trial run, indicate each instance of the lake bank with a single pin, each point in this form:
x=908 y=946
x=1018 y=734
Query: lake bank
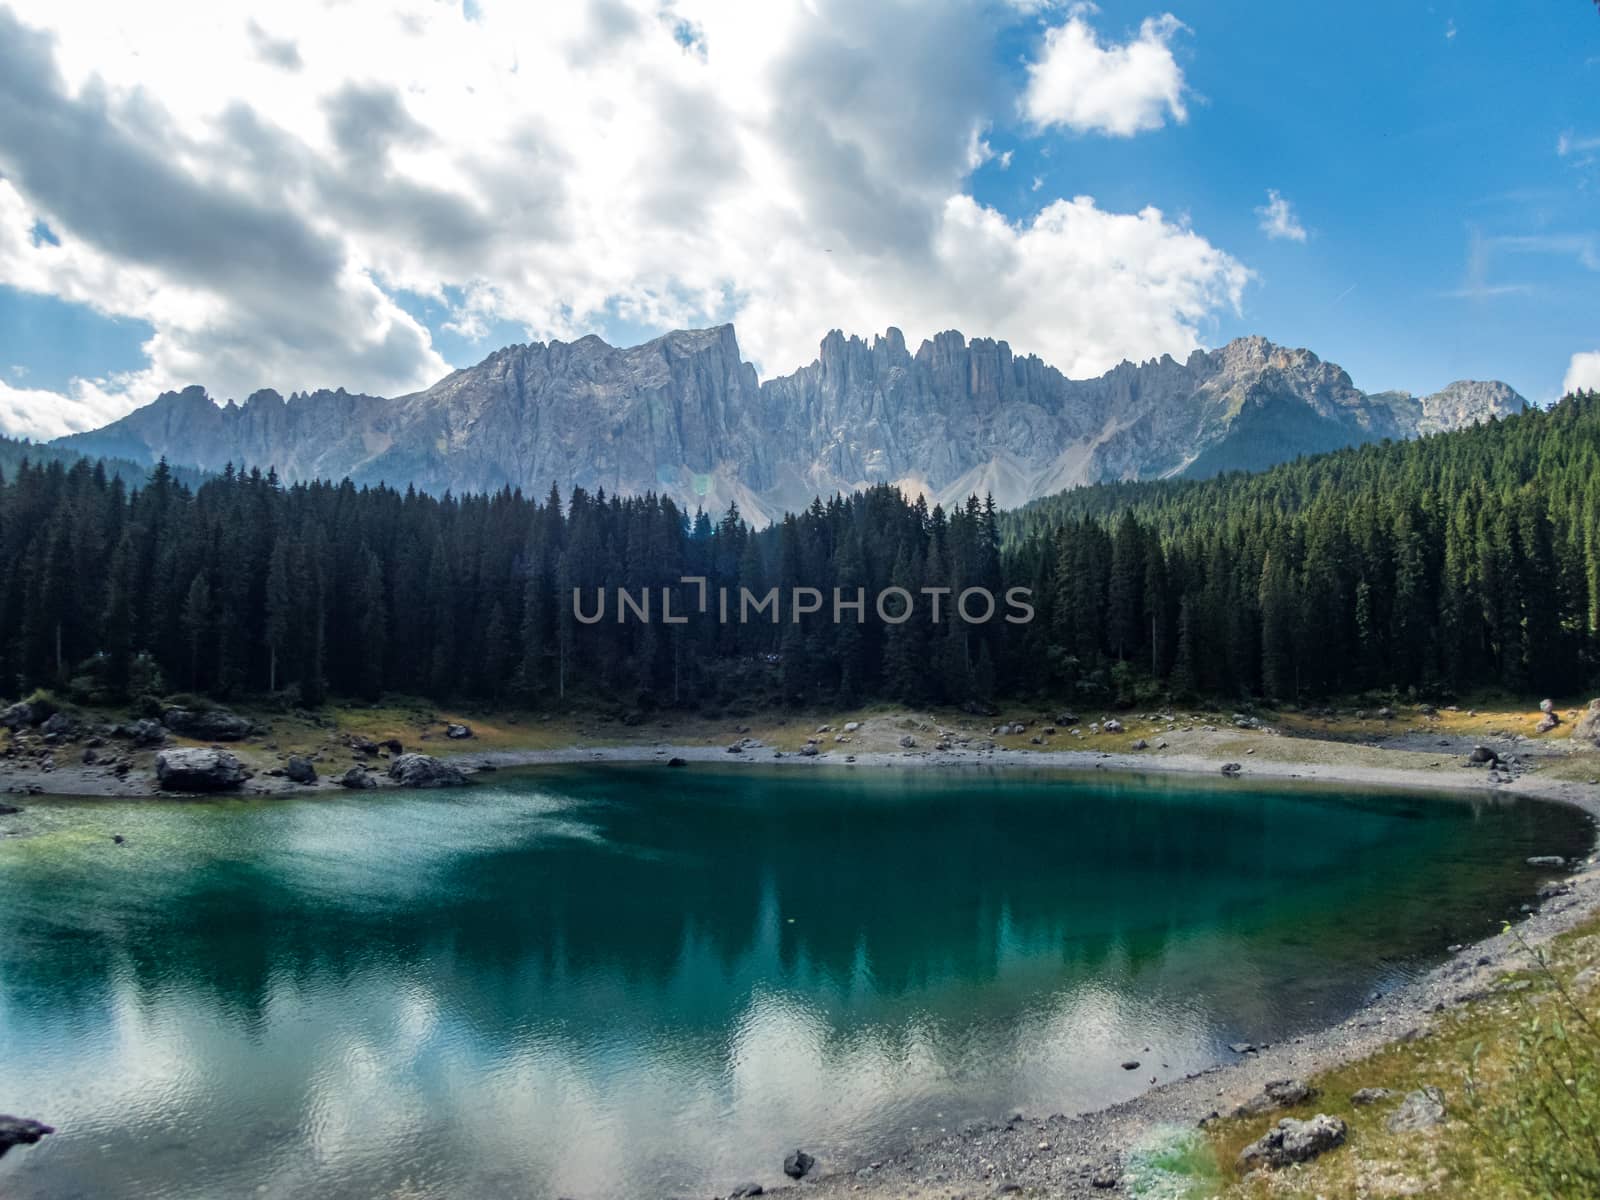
x=1080 y=1149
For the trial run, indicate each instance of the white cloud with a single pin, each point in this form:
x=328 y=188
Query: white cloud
x=1278 y=219
x=1583 y=373
x=1570 y=143
x=40 y=414
x=1080 y=84
x=263 y=199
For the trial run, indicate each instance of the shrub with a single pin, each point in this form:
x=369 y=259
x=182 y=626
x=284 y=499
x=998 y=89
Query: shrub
x=1542 y=1126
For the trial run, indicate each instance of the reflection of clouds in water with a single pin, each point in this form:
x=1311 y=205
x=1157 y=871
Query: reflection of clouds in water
x=371 y=1078
x=514 y=992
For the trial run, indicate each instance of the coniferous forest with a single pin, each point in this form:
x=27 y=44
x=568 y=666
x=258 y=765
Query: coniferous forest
x=1462 y=561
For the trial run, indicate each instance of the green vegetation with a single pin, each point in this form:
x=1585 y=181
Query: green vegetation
x=1519 y=1070
x=1461 y=561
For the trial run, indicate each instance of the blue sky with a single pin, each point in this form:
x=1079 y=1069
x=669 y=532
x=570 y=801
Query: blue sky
x=366 y=196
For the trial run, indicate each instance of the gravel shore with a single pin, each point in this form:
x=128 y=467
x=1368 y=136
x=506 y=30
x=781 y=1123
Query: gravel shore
x=1071 y=1154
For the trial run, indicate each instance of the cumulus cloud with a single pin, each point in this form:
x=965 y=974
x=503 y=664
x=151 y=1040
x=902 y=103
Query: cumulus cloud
x=1082 y=84
x=792 y=166
x=1583 y=373
x=1278 y=219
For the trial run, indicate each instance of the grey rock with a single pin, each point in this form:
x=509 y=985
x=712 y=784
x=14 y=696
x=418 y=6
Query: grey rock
x=61 y=725
x=809 y=750
x=24 y=712
x=1292 y=1141
x=424 y=771
x=21 y=1131
x=1546 y=723
x=745 y=1189
x=675 y=761
x=357 y=779
x=1112 y=725
x=300 y=769
x=1422 y=1109
x=145 y=732
x=1547 y=860
x=1586 y=729
x=1368 y=1096
x=1231 y=768
x=686 y=409
x=1279 y=1093
x=199 y=769
x=208 y=725
x=907 y=741
x=1482 y=754
x=458 y=732
x=798 y=1164
x=1140 y=744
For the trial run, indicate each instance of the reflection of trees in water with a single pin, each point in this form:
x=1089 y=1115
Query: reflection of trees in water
x=874 y=898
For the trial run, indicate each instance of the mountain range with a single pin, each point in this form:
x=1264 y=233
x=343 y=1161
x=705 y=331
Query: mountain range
x=686 y=416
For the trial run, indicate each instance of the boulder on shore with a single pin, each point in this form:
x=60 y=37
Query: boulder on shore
x=20 y=1131
x=300 y=770
x=424 y=771
x=1421 y=1109
x=144 y=732
x=199 y=769
x=1279 y=1093
x=1292 y=1141
x=24 y=712
x=796 y=1165
x=357 y=779
x=457 y=732
x=208 y=725
x=1586 y=728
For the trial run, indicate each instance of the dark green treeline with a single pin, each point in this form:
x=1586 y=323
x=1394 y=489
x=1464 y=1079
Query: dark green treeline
x=1463 y=560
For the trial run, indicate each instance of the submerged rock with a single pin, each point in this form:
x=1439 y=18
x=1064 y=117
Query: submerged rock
x=1547 y=860
x=21 y=1131
x=1292 y=1141
x=199 y=769
x=424 y=771
x=798 y=1164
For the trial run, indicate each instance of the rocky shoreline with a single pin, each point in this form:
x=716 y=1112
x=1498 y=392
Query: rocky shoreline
x=1058 y=1154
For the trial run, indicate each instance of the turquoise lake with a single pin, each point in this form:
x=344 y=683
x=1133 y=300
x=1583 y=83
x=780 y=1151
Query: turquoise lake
x=597 y=981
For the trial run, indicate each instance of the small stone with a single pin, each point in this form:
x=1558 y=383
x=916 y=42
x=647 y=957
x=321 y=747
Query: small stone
x=1366 y=1096
x=796 y=1165
x=1131 y=1065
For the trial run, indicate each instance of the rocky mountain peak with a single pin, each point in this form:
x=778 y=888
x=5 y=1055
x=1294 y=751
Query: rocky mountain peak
x=684 y=415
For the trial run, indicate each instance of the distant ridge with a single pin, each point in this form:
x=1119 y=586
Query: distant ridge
x=683 y=415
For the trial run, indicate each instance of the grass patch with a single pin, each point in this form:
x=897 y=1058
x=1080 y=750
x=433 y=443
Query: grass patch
x=1520 y=1071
